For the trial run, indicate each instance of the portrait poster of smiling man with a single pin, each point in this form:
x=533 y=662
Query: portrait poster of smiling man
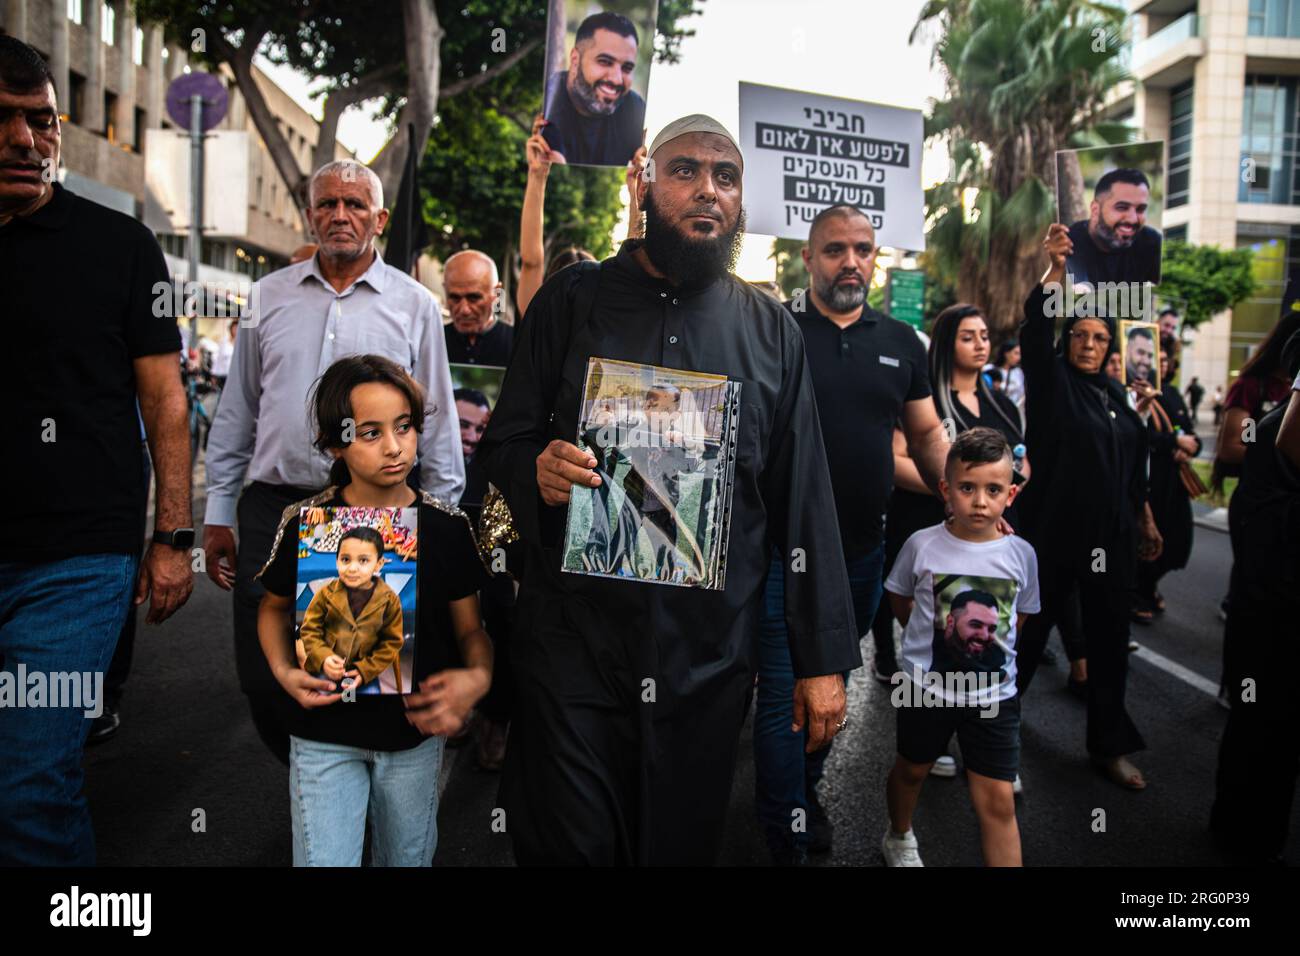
x=972 y=619
x=598 y=59
x=356 y=593
x=1112 y=198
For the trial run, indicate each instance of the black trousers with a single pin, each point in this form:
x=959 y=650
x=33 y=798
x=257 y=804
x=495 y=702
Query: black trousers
x=260 y=508
x=1104 y=603
x=1259 y=753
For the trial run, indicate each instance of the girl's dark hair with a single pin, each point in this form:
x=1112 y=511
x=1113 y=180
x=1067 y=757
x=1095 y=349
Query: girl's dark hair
x=1004 y=350
x=332 y=401
x=943 y=343
x=1267 y=360
x=367 y=534
x=565 y=258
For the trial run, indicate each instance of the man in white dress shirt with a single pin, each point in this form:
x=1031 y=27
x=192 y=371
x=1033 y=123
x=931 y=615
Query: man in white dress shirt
x=342 y=301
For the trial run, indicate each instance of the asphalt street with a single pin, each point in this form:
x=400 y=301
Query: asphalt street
x=187 y=782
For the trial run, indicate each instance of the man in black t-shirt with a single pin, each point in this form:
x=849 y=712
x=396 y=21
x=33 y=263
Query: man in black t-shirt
x=868 y=372
x=84 y=344
x=593 y=116
x=473 y=288
x=1114 y=244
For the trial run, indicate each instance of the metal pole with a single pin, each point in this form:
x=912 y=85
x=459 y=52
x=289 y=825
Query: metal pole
x=196 y=208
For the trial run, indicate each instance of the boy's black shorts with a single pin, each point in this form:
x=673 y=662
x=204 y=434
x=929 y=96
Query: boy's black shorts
x=989 y=745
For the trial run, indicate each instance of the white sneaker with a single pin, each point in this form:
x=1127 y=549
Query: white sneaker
x=1016 y=787
x=900 y=850
x=945 y=766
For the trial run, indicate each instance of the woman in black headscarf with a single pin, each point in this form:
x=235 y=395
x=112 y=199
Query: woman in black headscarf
x=1086 y=514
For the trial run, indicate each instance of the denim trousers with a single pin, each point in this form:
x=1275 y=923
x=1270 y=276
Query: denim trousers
x=334 y=788
x=56 y=618
x=783 y=773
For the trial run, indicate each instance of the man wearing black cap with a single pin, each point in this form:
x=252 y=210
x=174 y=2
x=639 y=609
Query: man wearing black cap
x=631 y=695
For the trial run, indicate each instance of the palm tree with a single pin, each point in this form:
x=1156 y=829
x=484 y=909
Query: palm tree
x=1024 y=78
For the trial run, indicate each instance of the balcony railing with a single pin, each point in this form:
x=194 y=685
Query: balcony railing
x=1160 y=42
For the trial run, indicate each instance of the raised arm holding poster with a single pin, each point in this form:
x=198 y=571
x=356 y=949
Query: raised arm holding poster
x=804 y=152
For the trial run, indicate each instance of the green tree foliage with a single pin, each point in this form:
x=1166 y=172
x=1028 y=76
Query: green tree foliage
x=1023 y=79
x=1204 y=280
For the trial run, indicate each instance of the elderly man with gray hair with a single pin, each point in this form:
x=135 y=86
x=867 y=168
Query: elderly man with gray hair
x=473 y=289
x=342 y=301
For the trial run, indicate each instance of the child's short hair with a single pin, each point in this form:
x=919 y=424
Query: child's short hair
x=366 y=534
x=979 y=446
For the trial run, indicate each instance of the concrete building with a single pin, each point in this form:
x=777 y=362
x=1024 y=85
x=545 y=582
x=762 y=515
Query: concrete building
x=111 y=75
x=1219 y=80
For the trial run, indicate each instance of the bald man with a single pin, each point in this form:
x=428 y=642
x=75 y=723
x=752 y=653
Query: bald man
x=630 y=695
x=472 y=288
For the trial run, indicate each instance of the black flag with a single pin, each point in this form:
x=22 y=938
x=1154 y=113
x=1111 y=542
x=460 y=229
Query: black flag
x=407 y=233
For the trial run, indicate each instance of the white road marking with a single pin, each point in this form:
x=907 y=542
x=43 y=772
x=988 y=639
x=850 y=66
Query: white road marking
x=1178 y=670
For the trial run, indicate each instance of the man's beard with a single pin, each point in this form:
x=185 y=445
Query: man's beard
x=690 y=261
x=1111 y=239
x=840 y=298
x=587 y=97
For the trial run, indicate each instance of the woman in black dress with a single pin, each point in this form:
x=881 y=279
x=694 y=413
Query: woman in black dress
x=1170 y=503
x=1086 y=514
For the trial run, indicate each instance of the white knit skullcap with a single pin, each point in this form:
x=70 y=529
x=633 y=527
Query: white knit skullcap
x=694 y=123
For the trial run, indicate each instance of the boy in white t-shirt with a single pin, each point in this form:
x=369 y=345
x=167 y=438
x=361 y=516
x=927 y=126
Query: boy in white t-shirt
x=962 y=590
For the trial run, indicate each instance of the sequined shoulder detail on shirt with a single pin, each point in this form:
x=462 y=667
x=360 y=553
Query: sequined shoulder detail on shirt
x=455 y=512
x=289 y=515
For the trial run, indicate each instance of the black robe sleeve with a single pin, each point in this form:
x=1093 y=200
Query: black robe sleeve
x=1038 y=358
x=796 y=488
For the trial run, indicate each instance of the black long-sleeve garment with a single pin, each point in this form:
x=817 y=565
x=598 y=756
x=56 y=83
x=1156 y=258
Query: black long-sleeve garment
x=1170 y=504
x=632 y=694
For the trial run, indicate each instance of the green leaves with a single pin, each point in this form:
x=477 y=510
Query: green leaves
x=1203 y=280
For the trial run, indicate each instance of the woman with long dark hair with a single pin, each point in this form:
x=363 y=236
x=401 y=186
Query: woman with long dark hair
x=1086 y=514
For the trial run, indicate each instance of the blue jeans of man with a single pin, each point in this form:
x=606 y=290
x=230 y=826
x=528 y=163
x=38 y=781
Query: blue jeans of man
x=333 y=788
x=56 y=618
x=783 y=773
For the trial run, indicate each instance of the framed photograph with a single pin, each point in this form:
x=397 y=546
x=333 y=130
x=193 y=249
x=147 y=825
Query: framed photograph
x=1112 y=198
x=1139 y=345
x=356 y=596
x=475 y=389
x=598 y=57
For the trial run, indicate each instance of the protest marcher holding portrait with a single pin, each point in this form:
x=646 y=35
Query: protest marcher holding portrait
x=594 y=116
x=476 y=335
x=1087 y=508
x=343 y=300
x=868 y=372
x=80 y=357
x=631 y=695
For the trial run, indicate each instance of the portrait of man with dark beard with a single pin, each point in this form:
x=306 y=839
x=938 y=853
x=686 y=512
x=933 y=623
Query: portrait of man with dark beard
x=630 y=697
x=966 y=642
x=594 y=116
x=1115 y=244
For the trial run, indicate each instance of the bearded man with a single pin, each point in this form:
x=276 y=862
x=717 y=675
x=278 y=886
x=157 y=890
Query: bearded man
x=631 y=695
x=1114 y=244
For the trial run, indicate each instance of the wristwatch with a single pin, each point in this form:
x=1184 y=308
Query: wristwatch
x=182 y=538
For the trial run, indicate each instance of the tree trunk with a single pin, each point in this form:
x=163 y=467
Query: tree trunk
x=1072 y=204
x=423 y=36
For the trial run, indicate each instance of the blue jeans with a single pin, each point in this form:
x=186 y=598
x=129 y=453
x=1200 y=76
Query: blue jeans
x=56 y=617
x=333 y=788
x=783 y=773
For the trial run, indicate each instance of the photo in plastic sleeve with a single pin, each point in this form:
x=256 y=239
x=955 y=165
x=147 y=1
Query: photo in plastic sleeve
x=475 y=389
x=661 y=439
x=972 y=620
x=356 y=596
x=598 y=57
x=1112 y=199
x=1139 y=345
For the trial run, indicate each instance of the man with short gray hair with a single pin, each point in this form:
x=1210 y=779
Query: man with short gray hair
x=342 y=301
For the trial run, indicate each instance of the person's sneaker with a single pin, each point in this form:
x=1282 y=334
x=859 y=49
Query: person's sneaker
x=1133 y=645
x=104 y=726
x=784 y=850
x=820 y=831
x=945 y=766
x=1017 y=788
x=900 y=850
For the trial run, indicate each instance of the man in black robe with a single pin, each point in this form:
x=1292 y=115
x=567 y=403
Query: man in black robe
x=631 y=695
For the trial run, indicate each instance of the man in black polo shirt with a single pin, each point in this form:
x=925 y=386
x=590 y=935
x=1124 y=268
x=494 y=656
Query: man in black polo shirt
x=869 y=371
x=83 y=345
x=472 y=286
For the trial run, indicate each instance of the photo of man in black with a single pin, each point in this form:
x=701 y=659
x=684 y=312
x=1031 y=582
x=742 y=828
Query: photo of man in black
x=1114 y=244
x=593 y=116
x=966 y=643
x=1140 y=356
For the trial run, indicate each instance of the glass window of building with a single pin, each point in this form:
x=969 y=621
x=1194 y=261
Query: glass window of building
x=137 y=47
x=75 y=12
x=1178 y=185
x=109 y=24
x=1268 y=141
x=1274 y=18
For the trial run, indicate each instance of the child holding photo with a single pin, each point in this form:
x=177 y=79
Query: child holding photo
x=353 y=626
x=376 y=757
x=964 y=642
